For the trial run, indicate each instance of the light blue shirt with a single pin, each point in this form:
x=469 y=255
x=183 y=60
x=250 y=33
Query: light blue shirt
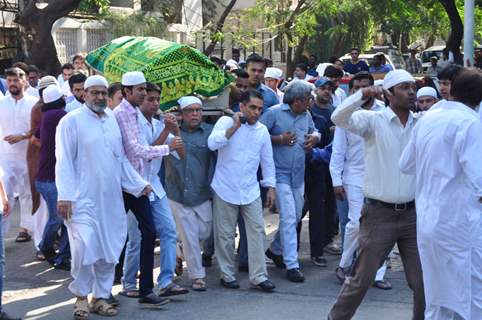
x=289 y=160
x=270 y=98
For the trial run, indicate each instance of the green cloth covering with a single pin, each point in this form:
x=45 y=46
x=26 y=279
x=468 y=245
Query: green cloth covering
x=179 y=69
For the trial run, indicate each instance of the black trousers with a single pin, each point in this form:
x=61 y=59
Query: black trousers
x=320 y=202
x=141 y=209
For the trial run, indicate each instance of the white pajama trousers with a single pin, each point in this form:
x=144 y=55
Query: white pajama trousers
x=96 y=278
x=16 y=182
x=355 y=198
x=193 y=225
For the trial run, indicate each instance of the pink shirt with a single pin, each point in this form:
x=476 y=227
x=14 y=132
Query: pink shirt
x=136 y=152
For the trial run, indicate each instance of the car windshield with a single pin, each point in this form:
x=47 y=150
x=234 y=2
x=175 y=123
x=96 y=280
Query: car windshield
x=426 y=55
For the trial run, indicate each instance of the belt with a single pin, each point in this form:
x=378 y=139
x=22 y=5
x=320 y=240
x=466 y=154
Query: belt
x=395 y=206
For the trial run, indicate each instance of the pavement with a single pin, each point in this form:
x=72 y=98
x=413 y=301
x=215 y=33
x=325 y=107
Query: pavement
x=34 y=290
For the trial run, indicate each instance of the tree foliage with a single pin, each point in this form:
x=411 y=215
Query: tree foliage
x=332 y=27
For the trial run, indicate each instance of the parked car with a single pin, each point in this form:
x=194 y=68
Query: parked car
x=368 y=58
x=391 y=52
x=436 y=51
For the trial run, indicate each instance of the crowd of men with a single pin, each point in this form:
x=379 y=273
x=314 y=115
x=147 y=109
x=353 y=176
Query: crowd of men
x=100 y=174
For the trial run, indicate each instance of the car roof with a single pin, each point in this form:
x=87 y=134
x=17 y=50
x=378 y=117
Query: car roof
x=435 y=48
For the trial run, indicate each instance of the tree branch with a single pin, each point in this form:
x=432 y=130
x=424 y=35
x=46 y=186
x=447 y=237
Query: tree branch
x=219 y=27
x=60 y=8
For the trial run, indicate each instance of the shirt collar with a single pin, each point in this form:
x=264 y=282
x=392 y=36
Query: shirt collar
x=128 y=107
x=285 y=107
x=391 y=115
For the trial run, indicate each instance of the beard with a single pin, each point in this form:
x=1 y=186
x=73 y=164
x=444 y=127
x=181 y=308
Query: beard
x=322 y=101
x=98 y=107
x=14 y=91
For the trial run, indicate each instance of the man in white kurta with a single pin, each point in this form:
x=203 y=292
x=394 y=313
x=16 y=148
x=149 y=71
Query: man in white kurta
x=14 y=133
x=347 y=167
x=444 y=153
x=91 y=173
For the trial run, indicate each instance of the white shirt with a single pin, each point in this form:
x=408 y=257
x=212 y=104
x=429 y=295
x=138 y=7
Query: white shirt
x=444 y=153
x=15 y=119
x=74 y=104
x=347 y=165
x=338 y=97
x=235 y=179
x=149 y=132
x=92 y=171
x=385 y=138
x=29 y=91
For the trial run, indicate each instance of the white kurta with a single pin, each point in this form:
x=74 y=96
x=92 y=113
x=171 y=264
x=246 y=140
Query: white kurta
x=14 y=120
x=445 y=153
x=92 y=171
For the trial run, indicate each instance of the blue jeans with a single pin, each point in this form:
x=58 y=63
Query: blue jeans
x=342 y=208
x=48 y=190
x=166 y=229
x=289 y=201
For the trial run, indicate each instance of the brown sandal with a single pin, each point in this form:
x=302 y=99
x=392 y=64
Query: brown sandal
x=81 y=309
x=199 y=285
x=102 y=308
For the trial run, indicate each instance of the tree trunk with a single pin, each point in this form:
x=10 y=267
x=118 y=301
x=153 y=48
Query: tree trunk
x=36 y=25
x=405 y=41
x=300 y=48
x=457 y=30
x=219 y=27
x=290 y=67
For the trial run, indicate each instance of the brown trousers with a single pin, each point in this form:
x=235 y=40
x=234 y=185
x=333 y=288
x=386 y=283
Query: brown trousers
x=380 y=229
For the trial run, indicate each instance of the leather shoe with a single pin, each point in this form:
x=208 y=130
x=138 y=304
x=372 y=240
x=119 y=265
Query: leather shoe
x=64 y=265
x=295 y=275
x=231 y=284
x=266 y=286
x=277 y=259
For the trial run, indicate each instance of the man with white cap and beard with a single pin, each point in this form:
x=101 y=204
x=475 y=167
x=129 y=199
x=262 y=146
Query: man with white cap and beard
x=388 y=216
x=15 y=111
x=127 y=114
x=426 y=98
x=91 y=173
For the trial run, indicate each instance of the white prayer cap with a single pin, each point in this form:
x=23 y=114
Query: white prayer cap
x=47 y=81
x=378 y=83
x=188 y=100
x=396 y=77
x=427 y=92
x=52 y=93
x=273 y=73
x=133 y=78
x=95 y=80
x=232 y=64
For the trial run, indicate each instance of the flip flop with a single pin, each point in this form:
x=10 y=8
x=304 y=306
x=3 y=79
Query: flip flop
x=23 y=237
x=130 y=294
x=172 y=290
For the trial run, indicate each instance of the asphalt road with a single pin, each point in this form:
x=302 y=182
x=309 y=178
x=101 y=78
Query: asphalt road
x=34 y=290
